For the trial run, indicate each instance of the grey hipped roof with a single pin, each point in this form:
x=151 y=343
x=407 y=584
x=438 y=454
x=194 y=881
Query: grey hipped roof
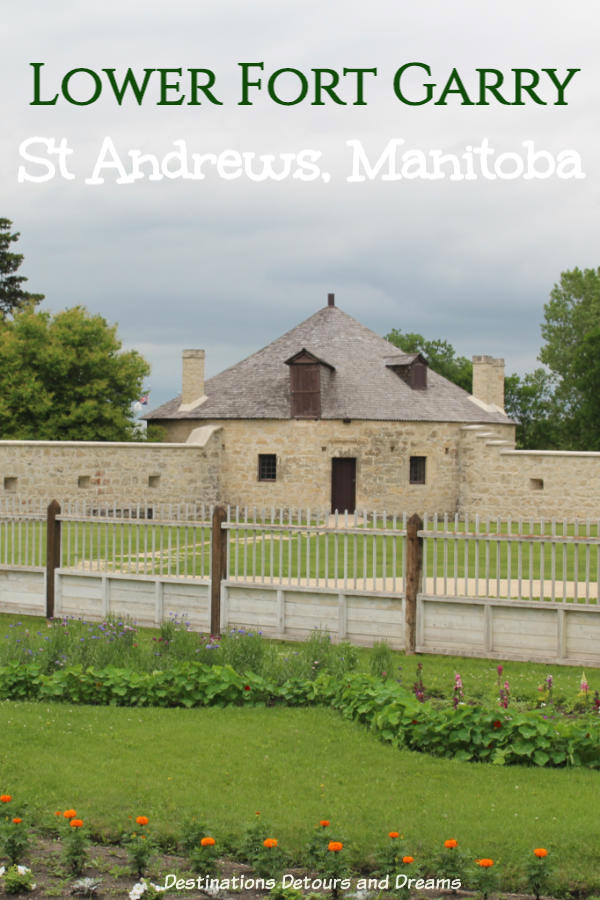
x=361 y=387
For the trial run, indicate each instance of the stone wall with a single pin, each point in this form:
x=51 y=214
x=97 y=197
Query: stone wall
x=304 y=449
x=114 y=473
x=497 y=480
x=469 y=468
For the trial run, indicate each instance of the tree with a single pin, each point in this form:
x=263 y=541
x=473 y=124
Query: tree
x=440 y=355
x=529 y=399
x=571 y=330
x=64 y=377
x=12 y=296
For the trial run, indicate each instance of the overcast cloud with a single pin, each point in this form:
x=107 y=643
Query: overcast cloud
x=230 y=265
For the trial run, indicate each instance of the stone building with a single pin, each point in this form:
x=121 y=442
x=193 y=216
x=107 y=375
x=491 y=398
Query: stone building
x=332 y=415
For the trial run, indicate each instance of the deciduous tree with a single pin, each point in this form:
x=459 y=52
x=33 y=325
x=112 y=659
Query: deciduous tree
x=440 y=355
x=65 y=377
x=571 y=330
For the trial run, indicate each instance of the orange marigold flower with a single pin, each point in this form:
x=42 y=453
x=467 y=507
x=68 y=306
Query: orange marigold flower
x=5 y=798
x=58 y=812
x=17 y=820
x=324 y=823
x=485 y=863
x=450 y=844
x=540 y=852
x=335 y=846
x=207 y=841
x=394 y=834
x=408 y=859
x=76 y=823
x=69 y=814
x=270 y=842
x=142 y=820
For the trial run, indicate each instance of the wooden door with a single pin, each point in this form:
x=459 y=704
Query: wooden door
x=343 y=484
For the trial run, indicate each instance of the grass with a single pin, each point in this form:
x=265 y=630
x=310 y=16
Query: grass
x=295 y=767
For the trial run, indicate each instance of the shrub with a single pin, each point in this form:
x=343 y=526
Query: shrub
x=18 y=879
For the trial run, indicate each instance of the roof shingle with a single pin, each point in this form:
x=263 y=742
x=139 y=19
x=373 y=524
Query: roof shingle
x=361 y=387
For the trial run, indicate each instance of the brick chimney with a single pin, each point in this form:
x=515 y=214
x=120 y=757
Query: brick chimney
x=192 y=382
x=488 y=380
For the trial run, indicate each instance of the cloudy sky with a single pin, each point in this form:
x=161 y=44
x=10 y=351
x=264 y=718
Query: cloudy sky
x=228 y=264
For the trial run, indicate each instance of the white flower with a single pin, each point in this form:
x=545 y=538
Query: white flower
x=140 y=888
x=23 y=870
x=2 y=871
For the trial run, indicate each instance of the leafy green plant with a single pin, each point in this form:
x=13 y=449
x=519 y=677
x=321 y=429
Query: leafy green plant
x=537 y=872
x=192 y=831
x=18 y=879
x=14 y=839
x=203 y=856
x=269 y=859
x=403 y=874
x=316 y=848
x=334 y=865
x=484 y=878
x=252 y=839
x=450 y=861
x=279 y=892
x=75 y=845
x=389 y=857
x=140 y=848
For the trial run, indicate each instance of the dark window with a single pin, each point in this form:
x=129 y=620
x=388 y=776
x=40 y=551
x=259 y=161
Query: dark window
x=418 y=375
x=306 y=390
x=417 y=469
x=267 y=467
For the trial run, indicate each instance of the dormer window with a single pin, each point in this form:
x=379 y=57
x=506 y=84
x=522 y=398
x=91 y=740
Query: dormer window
x=305 y=384
x=411 y=368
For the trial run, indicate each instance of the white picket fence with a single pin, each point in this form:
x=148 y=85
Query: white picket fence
x=500 y=589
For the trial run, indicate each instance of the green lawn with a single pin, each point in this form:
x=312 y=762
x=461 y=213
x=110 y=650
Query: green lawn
x=297 y=766
x=294 y=766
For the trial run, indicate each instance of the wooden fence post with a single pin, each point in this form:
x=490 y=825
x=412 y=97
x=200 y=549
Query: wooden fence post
x=218 y=566
x=52 y=553
x=413 y=580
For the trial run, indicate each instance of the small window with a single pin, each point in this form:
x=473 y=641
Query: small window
x=10 y=483
x=536 y=484
x=153 y=481
x=267 y=467
x=417 y=469
x=83 y=481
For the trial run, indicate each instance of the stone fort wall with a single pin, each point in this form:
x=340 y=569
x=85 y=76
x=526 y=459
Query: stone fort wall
x=497 y=480
x=468 y=468
x=122 y=474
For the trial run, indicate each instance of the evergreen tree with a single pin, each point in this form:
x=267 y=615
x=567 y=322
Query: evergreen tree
x=12 y=295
